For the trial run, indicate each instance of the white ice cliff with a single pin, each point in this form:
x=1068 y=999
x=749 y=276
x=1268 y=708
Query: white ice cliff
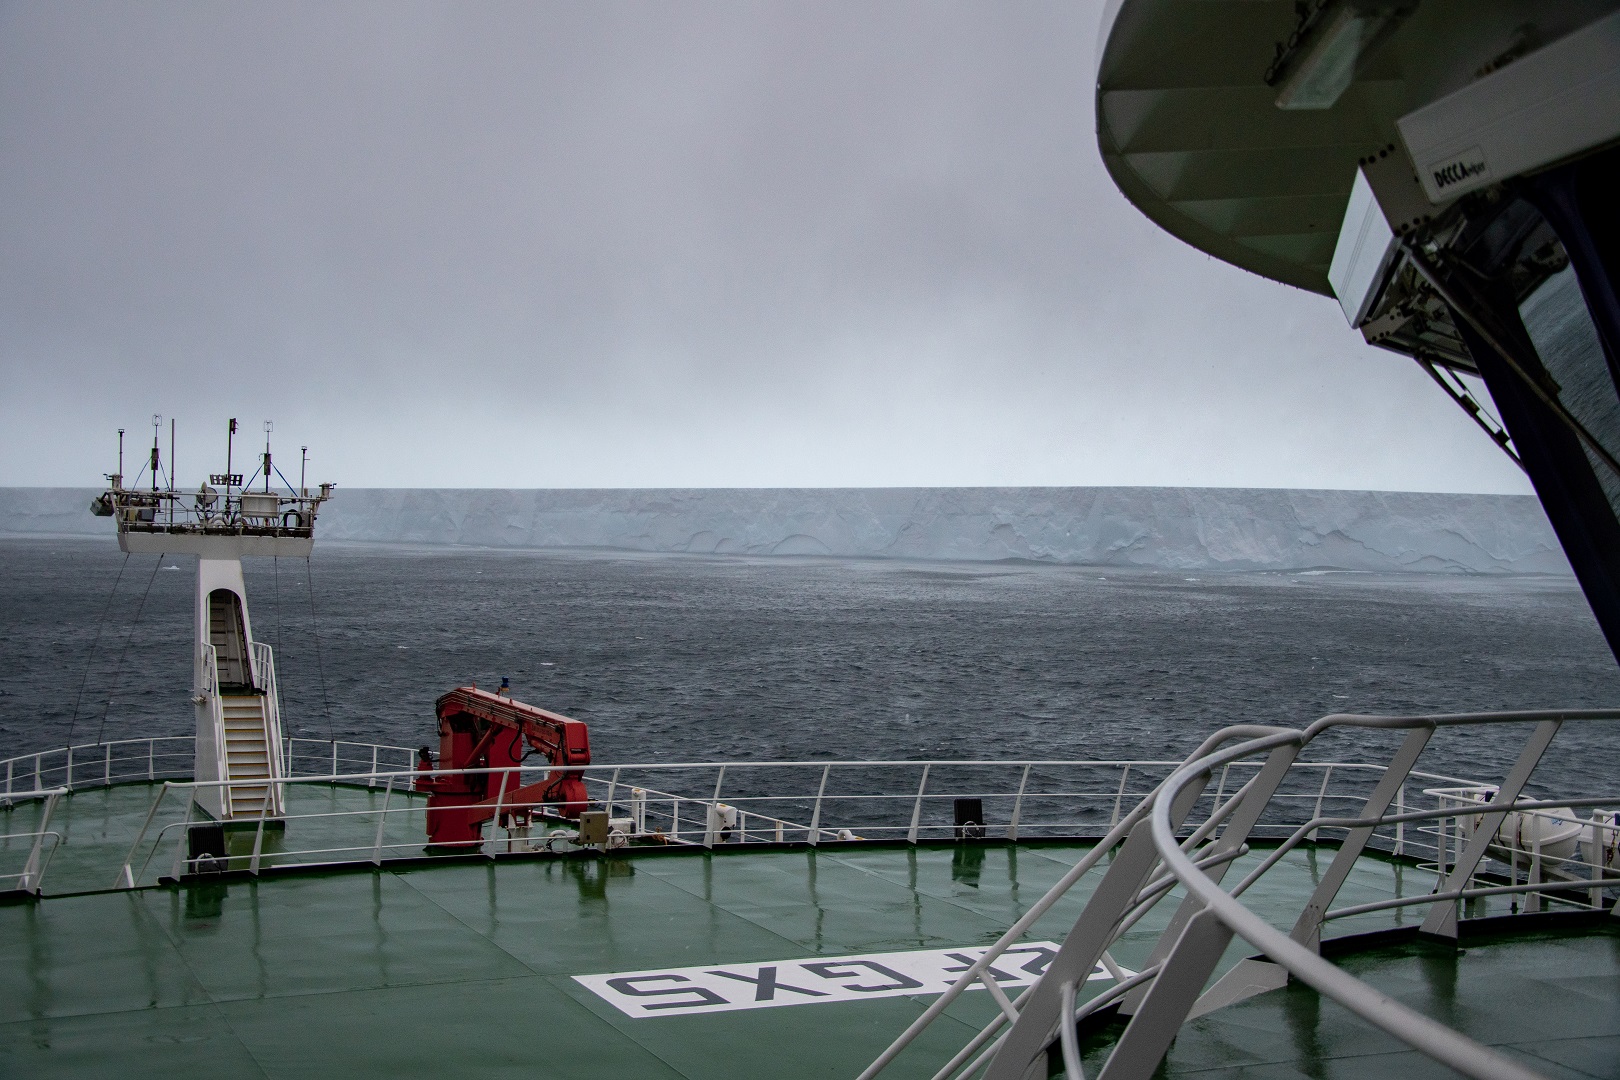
x=1170 y=528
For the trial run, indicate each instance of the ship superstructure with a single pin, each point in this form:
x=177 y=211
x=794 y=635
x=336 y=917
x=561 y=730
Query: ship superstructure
x=234 y=692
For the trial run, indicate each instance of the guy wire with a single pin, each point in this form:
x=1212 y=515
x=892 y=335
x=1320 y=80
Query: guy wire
x=89 y=660
x=275 y=570
x=119 y=670
x=320 y=664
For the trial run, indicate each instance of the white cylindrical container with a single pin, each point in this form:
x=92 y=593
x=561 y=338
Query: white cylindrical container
x=638 y=809
x=722 y=824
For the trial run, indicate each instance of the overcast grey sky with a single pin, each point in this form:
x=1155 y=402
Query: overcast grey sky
x=595 y=244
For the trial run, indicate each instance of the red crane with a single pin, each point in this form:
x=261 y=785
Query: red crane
x=481 y=730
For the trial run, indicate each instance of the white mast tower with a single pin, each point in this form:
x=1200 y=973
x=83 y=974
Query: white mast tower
x=238 y=710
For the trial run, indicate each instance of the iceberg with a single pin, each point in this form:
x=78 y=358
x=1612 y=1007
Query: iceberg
x=1182 y=529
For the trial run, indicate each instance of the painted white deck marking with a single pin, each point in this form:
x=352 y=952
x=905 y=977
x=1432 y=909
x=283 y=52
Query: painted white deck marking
x=813 y=980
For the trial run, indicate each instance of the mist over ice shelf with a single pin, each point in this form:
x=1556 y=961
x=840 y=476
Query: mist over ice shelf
x=1166 y=528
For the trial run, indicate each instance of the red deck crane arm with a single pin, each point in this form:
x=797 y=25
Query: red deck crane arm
x=562 y=740
x=481 y=730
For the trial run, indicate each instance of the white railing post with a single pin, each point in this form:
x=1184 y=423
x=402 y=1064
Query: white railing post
x=1220 y=789
x=371 y=781
x=69 y=782
x=1598 y=862
x=638 y=810
x=1400 y=826
x=37 y=784
x=8 y=777
x=916 y=807
x=711 y=825
x=1532 y=900
x=815 y=815
x=1327 y=774
x=1442 y=842
x=1513 y=869
x=382 y=819
x=1018 y=805
x=185 y=835
x=29 y=882
x=106 y=768
x=613 y=790
x=151 y=760
x=1119 y=795
x=258 y=835
x=495 y=822
x=675 y=819
x=334 y=762
x=126 y=877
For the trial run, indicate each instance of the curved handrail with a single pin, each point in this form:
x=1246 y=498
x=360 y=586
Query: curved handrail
x=1433 y=1038
x=1046 y=1023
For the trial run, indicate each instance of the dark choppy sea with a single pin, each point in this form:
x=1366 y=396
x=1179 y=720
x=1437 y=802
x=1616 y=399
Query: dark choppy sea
x=675 y=658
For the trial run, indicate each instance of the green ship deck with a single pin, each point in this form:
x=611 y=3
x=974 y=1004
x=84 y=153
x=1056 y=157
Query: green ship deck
x=467 y=967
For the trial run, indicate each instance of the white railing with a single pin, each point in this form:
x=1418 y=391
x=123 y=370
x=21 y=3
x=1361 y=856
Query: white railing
x=714 y=804
x=1167 y=840
x=173 y=757
x=696 y=803
x=93 y=765
x=1552 y=844
x=38 y=858
x=264 y=662
x=338 y=757
x=213 y=741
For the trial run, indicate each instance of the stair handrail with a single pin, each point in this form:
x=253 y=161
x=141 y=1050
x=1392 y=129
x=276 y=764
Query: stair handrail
x=216 y=707
x=264 y=658
x=34 y=867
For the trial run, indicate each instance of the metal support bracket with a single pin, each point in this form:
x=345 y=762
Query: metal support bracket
x=1442 y=920
x=1256 y=797
x=1174 y=993
x=1308 y=929
x=1092 y=933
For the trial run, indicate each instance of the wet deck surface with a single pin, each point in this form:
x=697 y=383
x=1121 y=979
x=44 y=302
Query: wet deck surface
x=467 y=969
x=99 y=827
x=1550 y=1001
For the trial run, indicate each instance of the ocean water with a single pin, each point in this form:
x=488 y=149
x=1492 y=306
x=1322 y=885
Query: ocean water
x=690 y=658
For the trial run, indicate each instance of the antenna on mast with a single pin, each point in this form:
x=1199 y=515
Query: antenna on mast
x=303 y=467
x=229 y=437
x=268 y=428
x=157 y=426
x=118 y=479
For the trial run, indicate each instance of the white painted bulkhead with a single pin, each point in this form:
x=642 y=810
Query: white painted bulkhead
x=226 y=575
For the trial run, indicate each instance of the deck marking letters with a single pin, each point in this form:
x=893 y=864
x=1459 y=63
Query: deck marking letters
x=813 y=980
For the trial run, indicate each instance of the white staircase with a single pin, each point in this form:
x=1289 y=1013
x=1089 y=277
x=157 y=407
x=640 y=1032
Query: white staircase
x=229 y=639
x=247 y=754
